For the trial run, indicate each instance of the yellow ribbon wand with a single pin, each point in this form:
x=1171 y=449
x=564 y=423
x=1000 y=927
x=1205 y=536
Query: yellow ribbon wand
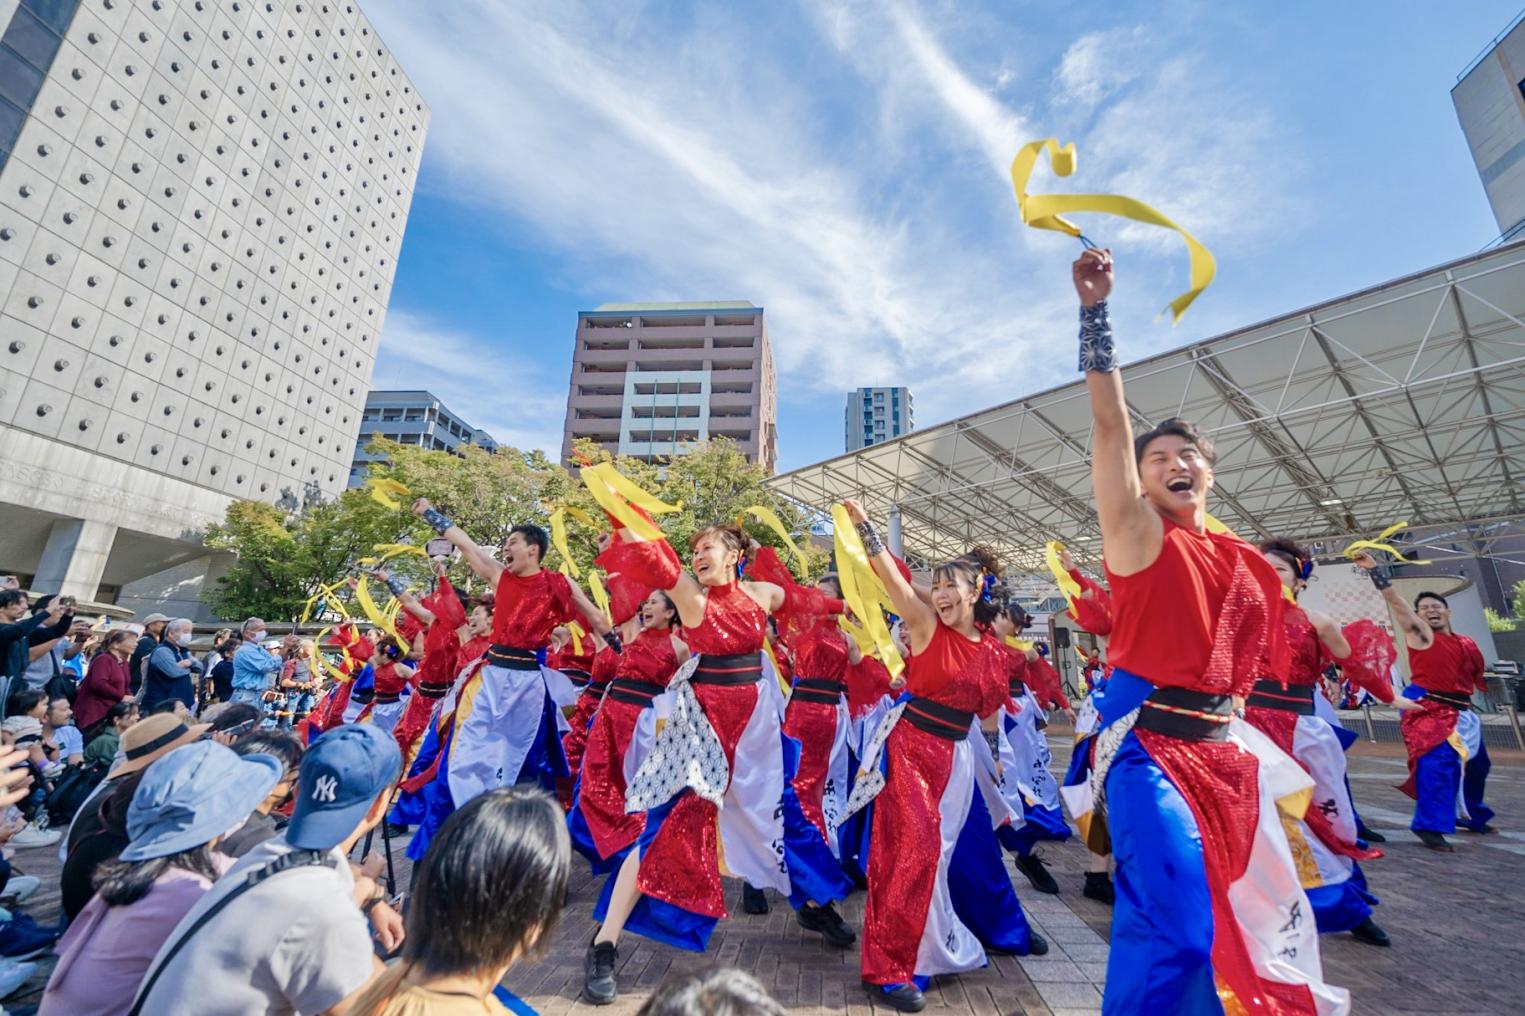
x=1046 y=211
x=384 y=492
x=1380 y=543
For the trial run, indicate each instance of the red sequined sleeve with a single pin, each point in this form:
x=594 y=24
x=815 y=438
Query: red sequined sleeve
x=626 y=595
x=562 y=606
x=798 y=599
x=1370 y=662
x=352 y=642
x=651 y=562
x=1045 y=683
x=868 y=681
x=1094 y=612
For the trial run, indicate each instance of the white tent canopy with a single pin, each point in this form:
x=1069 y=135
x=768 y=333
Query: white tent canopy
x=1405 y=401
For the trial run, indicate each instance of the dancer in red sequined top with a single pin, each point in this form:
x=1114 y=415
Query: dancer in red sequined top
x=506 y=726
x=817 y=715
x=601 y=828
x=1443 y=736
x=1297 y=717
x=1196 y=615
x=724 y=724
x=929 y=796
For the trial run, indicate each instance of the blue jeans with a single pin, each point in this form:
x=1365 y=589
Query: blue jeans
x=248 y=695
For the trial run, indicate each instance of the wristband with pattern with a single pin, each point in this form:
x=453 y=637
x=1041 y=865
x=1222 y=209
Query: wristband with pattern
x=1096 y=348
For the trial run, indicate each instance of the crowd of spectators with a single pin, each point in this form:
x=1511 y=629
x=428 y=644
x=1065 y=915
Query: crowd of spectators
x=207 y=853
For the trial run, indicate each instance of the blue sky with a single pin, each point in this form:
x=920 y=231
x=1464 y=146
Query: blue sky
x=844 y=164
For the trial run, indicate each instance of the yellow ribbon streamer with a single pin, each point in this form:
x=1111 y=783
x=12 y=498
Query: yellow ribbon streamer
x=778 y=672
x=1023 y=644
x=577 y=635
x=559 y=535
x=600 y=594
x=387 y=551
x=1067 y=585
x=384 y=492
x=1380 y=543
x=768 y=517
x=615 y=495
x=1045 y=211
x=373 y=613
x=858 y=634
x=862 y=590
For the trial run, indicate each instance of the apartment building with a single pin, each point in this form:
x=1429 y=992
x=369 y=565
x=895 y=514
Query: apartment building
x=412 y=418
x=875 y=415
x=650 y=379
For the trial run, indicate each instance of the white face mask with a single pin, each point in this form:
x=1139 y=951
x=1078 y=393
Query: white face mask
x=185 y=638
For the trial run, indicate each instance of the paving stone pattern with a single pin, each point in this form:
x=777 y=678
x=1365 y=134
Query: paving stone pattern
x=1454 y=919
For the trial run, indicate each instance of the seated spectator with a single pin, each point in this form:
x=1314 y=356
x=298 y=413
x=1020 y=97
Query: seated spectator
x=179 y=813
x=61 y=739
x=486 y=894
x=25 y=732
x=170 y=668
x=291 y=936
x=27 y=702
x=20 y=936
x=264 y=823
x=716 y=991
x=170 y=707
x=107 y=682
x=232 y=720
x=103 y=748
x=98 y=833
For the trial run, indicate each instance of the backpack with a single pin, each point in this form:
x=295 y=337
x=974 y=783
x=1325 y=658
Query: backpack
x=71 y=791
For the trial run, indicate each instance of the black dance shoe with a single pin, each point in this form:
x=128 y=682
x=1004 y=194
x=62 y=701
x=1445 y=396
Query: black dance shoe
x=1371 y=933
x=753 y=901
x=1434 y=841
x=1486 y=830
x=1038 y=945
x=906 y=998
x=828 y=923
x=1369 y=835
x=598 y=973
x=1037 y=873
x=1099 y=888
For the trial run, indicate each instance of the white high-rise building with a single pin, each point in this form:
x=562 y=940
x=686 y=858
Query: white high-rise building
x=201 y=208
x=1490 y=103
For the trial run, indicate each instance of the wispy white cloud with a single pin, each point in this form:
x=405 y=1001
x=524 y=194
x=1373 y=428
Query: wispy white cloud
x=510 y=400
x=846 y=170
x=1098 y=64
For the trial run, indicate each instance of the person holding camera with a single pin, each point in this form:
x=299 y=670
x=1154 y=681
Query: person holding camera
x=17 y=631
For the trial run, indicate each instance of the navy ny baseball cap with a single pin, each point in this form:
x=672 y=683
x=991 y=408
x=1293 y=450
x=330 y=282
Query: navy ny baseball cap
x=343 y=772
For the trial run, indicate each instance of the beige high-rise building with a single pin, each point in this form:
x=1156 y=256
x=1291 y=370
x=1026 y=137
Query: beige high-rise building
x=650 y=378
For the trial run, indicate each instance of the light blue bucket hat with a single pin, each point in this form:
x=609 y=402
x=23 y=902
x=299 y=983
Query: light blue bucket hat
x=193 y=795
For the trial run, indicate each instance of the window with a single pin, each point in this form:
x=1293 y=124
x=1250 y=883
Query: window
x=413 y=415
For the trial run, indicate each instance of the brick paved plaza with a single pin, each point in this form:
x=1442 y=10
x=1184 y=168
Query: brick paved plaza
x=1455 y=922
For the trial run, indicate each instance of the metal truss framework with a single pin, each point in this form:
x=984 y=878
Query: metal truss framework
x=1404 y=401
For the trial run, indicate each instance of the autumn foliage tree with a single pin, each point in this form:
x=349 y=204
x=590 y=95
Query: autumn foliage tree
x=283 y=557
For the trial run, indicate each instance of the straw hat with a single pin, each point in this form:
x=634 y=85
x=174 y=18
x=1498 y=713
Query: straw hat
x=153 y=737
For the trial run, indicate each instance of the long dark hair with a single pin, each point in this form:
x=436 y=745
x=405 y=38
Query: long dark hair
x=123 y=882
x=491 y=885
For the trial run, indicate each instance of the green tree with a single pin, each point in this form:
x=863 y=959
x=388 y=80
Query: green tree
x=282 y=558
